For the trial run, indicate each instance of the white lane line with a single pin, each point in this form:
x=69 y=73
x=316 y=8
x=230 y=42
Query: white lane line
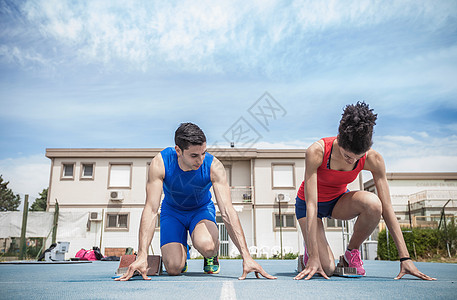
x=228 y=291
x=158 y=281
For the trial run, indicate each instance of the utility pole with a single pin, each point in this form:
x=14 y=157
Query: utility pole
x=23 y=247
x=56 y=219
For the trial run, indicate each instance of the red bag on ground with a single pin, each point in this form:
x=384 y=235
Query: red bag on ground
x=86 y=254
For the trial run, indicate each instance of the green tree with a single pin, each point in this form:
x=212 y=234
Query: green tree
x=40 y=203
x=8 y=201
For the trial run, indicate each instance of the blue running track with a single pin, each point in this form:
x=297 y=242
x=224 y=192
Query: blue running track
x=93 y=281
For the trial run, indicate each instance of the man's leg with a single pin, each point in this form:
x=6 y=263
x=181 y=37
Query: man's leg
x=325 y=253
x=364 y=205
x=173 y=238
x=205 y=238
x=174 y=257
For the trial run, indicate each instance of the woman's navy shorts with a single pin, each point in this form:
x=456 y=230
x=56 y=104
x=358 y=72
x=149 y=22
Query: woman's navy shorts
x=324 y=209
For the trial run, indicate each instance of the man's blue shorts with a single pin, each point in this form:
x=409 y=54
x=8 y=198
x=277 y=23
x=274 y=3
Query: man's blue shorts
x=324 y=209
x=175 y=223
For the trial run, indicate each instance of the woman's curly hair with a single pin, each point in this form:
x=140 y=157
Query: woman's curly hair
x=356 y=128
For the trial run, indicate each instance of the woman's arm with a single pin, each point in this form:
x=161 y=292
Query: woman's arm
x=375 y=164
x=314 y=157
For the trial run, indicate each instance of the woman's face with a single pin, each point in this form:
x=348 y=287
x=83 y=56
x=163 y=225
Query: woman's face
x=349 y=157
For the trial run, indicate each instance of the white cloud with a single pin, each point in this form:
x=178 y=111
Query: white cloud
x=199 y=36
x=143 y=34
x=321 y=14
x=27 y=175
x=398 y=139
x=422 y=134
x=297 y=144
x=409 y=147
x=423 y=154
x=439 y=163
x=451 y=127
x=23 y=57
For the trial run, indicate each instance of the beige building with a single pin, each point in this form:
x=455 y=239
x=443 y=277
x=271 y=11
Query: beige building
x=107 y=187
x=426 y=194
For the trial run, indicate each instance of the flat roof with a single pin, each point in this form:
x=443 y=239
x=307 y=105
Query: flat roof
x=227 y=153
x=416 y=176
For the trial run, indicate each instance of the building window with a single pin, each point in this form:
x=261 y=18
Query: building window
x=120 y=176
x=287 y=221
x=87 y=170
x=68 y=171
x=117 y=221
x=283 y=176
x=334 y=223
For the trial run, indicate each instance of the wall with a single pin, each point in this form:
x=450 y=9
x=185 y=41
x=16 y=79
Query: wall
x=96 y=192
x=402 y=189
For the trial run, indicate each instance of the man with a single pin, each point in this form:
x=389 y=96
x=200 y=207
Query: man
x=331 y=164
x=186 y=173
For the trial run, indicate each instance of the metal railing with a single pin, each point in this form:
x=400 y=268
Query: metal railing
x=432 y=195
x=420 y=222
x=239 y=194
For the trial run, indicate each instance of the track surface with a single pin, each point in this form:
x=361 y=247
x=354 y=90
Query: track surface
x=93 y=281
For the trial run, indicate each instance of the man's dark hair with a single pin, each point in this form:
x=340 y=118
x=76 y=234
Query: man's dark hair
x=189 y=134
x=356 y=128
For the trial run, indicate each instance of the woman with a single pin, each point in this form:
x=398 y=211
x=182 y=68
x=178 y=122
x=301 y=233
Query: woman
x=331 y=164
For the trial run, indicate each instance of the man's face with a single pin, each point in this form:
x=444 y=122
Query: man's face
x=191 y=158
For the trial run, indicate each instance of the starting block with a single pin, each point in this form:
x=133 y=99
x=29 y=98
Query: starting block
x=300 y=265
x=342 y=269
x=154 y=265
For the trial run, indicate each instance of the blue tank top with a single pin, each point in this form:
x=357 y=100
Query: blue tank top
x=185 y=190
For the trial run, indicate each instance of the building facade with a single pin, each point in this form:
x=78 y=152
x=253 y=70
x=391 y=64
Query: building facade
x=421 y=197
x=105 y=191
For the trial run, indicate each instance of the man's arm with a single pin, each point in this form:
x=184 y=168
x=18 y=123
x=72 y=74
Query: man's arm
x=314 y=157
x=375 y=164
x=231 y=220
x=149 y=216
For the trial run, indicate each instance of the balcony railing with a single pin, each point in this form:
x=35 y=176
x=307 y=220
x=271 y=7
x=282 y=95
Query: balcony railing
x=432 y=198
x=432 y=195
x=421 y=222
x=239 y=194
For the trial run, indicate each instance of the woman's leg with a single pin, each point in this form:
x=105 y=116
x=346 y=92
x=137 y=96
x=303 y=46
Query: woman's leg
x=366 y=207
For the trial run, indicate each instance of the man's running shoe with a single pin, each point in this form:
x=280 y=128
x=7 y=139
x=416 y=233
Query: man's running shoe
x=354 y=261
x=211 y=265
x=184 y=270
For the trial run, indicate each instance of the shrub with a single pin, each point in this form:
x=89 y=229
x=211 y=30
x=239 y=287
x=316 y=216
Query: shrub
x=421 y=242
x=290 y=255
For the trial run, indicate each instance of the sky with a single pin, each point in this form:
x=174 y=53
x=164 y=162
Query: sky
x=125 y=74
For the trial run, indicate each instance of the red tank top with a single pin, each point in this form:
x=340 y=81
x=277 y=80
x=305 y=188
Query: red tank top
x=332 y=183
